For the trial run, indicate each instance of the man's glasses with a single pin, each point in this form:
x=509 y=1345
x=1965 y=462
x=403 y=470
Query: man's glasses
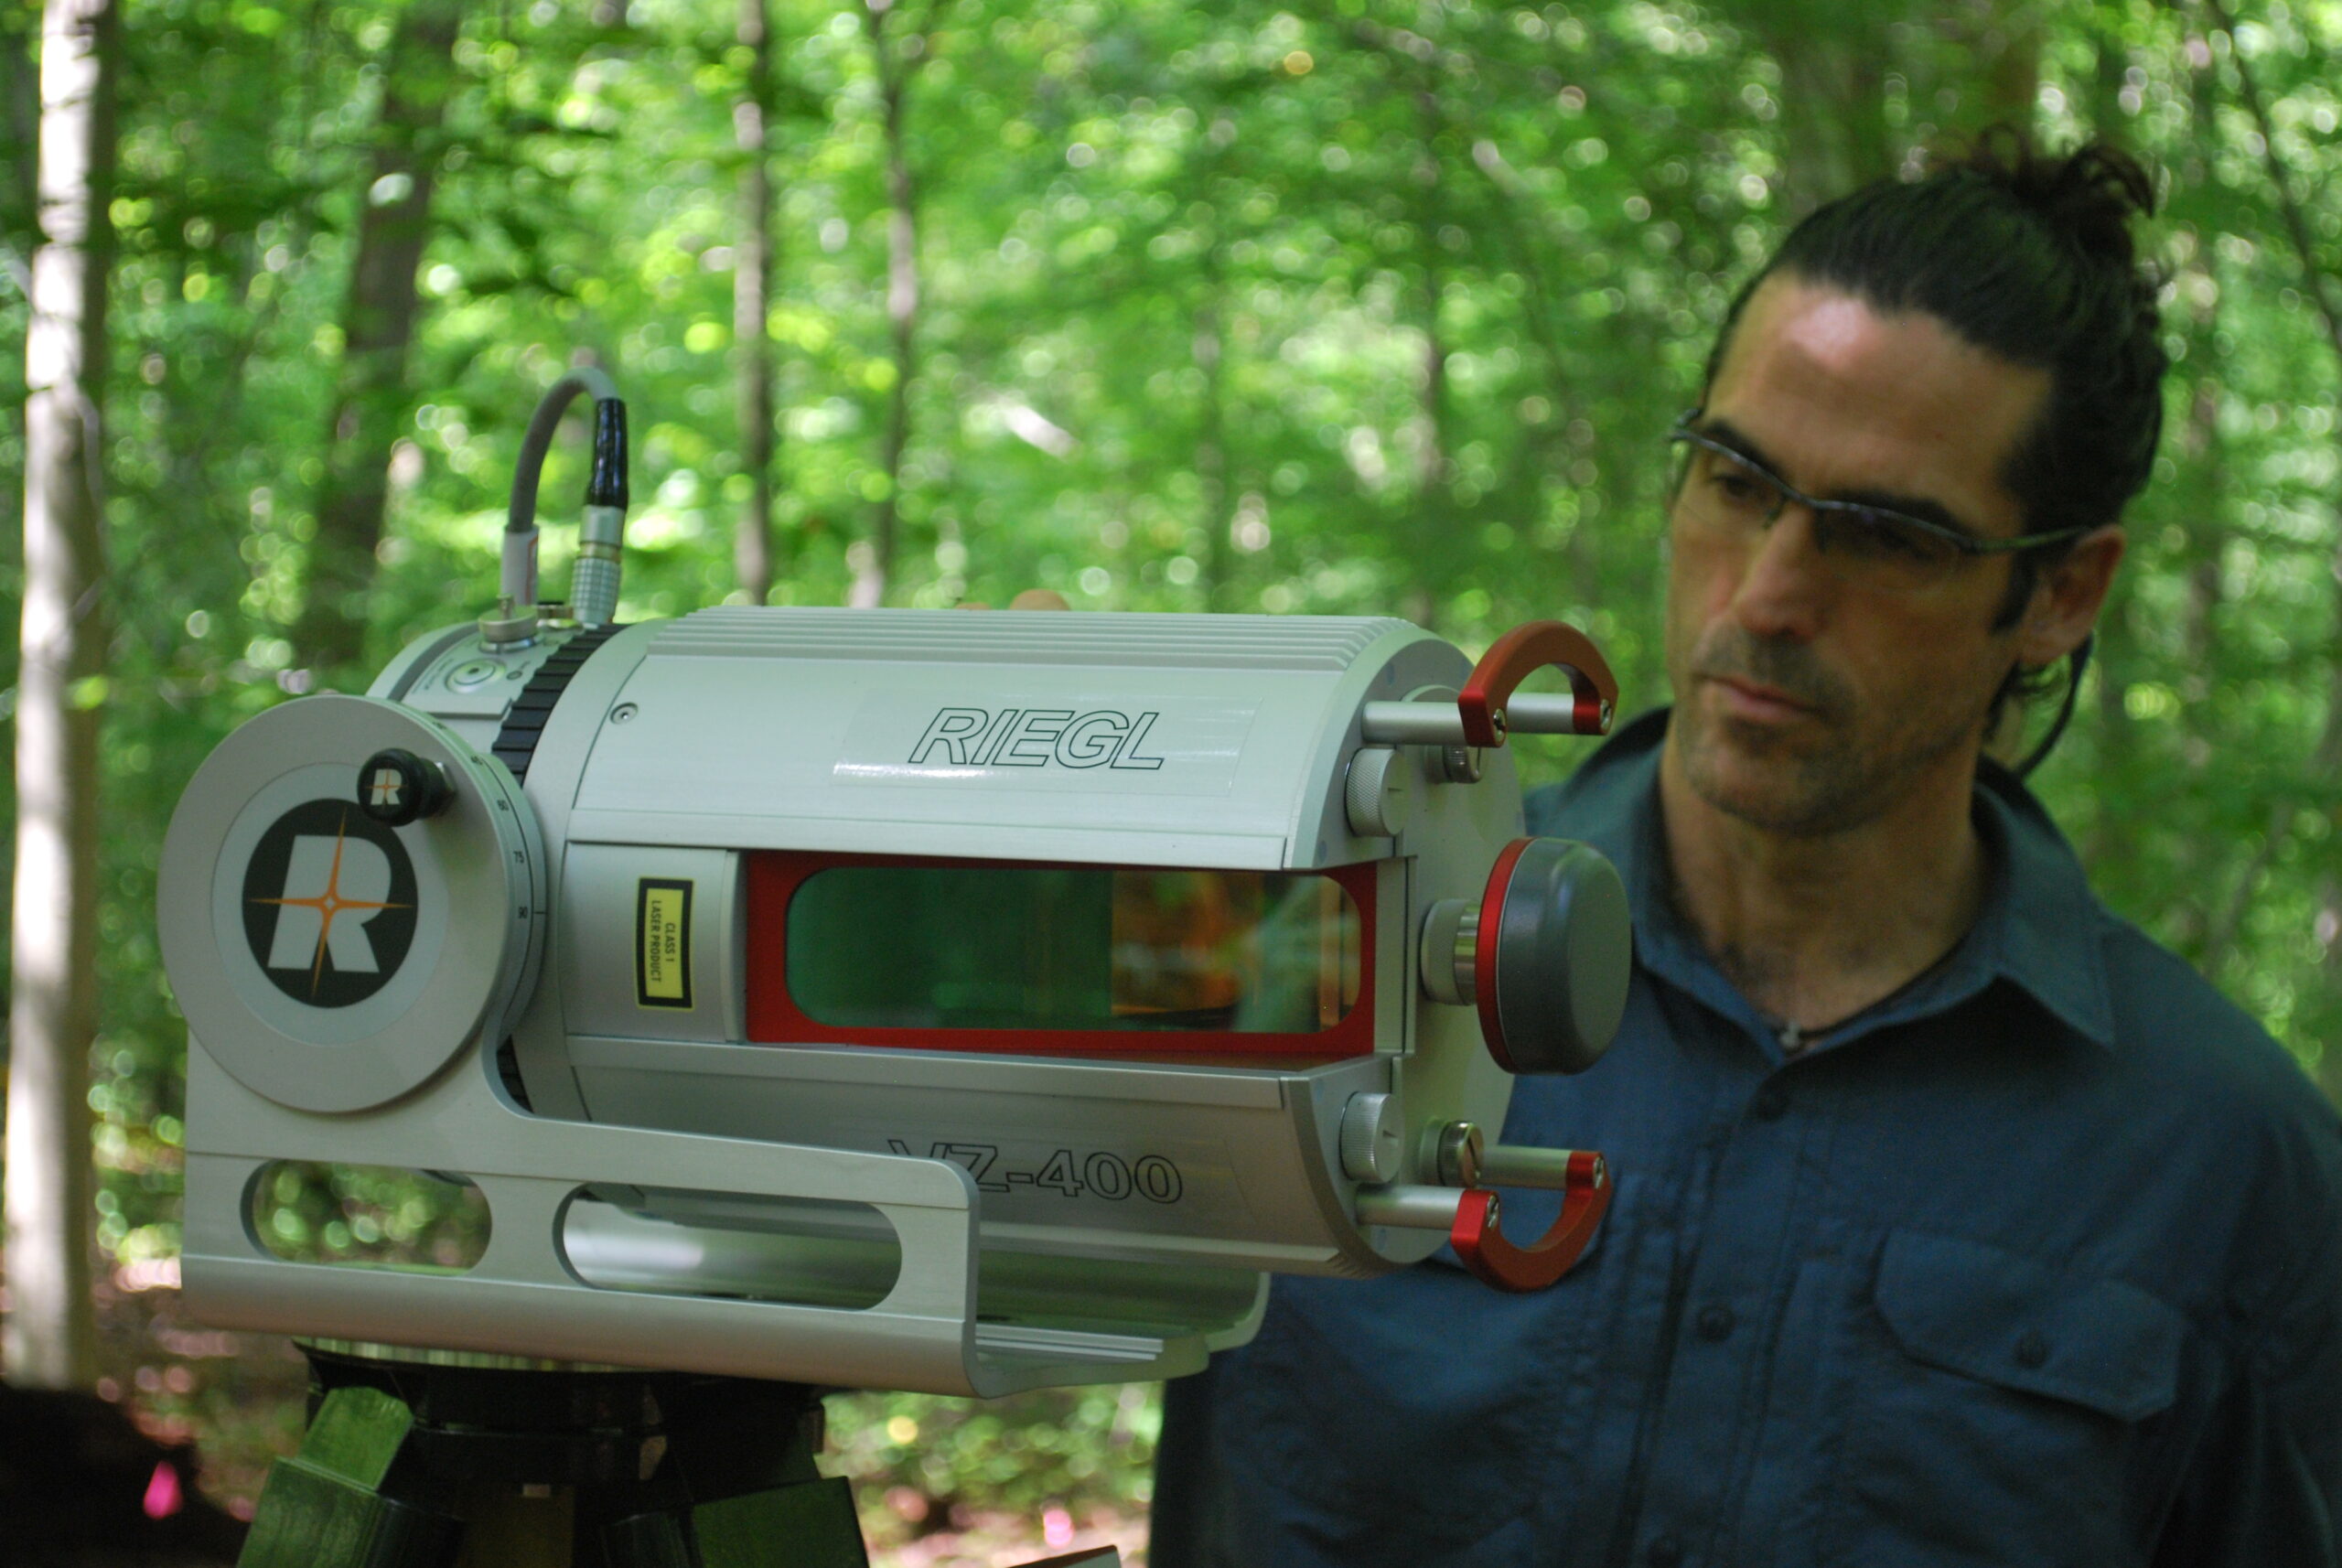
x=1724 y=493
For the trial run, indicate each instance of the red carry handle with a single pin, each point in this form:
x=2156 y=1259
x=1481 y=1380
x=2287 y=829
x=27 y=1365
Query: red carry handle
x=1481 y=1243
x=1521 y=653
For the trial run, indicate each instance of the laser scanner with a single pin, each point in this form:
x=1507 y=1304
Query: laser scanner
x=934 y=1000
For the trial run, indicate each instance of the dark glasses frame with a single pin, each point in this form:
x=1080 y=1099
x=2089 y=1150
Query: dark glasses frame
x=1859 y=513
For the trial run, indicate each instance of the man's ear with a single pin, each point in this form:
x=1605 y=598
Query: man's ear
x=2067 y=599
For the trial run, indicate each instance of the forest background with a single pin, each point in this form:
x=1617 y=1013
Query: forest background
x=1359 y=306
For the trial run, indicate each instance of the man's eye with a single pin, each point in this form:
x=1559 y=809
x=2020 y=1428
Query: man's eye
x=1888 y=537
x=1740 y=488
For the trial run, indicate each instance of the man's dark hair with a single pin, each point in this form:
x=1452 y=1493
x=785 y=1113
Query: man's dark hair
x=2028 y=256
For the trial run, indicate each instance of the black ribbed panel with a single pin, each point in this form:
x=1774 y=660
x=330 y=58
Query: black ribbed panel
x=525 y=724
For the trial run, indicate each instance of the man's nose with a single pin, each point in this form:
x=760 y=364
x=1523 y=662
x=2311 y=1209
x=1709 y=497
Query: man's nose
x=1786 y=582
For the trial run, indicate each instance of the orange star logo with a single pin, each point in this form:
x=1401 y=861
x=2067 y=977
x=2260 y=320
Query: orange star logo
x=329 y=903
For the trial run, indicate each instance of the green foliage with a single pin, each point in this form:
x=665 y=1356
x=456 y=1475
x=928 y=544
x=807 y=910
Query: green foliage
x=1375 y=306
x=377 y=1216
x=923 y=1464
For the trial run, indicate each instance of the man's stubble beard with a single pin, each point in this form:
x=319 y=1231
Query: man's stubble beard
x=1810 y=785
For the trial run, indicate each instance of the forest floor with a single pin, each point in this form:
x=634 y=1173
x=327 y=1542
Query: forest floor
x=1003 y=1541
x=238 y=1397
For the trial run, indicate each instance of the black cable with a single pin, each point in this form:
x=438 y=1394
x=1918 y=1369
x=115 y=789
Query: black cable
x=2077 y=661
x=538 y=440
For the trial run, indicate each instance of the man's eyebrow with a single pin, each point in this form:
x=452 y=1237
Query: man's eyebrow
x=1725 y=433
x=1919 y=507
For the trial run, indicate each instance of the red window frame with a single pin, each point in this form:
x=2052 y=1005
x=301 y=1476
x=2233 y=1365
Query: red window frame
x=774 y=1018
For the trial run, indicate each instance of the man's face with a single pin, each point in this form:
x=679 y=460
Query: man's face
x=1807 y=700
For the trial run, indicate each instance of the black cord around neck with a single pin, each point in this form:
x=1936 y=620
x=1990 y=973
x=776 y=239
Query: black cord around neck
x=2077 y=661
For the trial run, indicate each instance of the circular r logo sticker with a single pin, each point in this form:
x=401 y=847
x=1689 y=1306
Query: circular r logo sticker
x=329 y=903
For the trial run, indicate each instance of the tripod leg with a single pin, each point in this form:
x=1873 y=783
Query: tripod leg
x=809 y=1525
x=322 y=1507
x=647 y=1541
x=505 y=1527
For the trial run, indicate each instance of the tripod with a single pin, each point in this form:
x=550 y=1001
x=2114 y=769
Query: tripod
x=473 y=1461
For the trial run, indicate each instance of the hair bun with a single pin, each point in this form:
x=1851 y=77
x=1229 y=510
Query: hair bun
x=2090 y=194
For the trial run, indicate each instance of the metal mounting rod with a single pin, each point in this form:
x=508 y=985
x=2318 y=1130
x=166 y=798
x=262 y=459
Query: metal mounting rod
x=1520 y=1165
x=1410 y=1207
x=1442 y=723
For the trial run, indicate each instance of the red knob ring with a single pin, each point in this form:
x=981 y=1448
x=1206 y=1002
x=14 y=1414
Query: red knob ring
x=1484 y=951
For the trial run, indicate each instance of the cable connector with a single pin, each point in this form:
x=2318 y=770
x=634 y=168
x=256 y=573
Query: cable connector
x=594 y=582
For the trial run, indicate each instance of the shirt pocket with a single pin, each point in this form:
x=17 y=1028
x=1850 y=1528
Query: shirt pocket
x=1998 y=1406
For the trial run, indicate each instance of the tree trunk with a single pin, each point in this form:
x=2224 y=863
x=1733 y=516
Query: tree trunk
x=1435 y=546
x=1208 y=351
x=902 y=322
x=1433 y=519
x=51 y=1333
x=1834 y=62
x=752 y=269
x=19 y=127
x=2004 y=52
x=2105 y=115
x=898 y=63
x=1209 y=347
x=378 y=321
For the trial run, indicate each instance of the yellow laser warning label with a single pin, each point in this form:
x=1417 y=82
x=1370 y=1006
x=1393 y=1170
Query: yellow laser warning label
x=662 y=943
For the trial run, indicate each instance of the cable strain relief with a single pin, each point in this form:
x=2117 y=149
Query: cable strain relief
x=607 y=485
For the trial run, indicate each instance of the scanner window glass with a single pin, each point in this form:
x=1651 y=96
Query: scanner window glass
x=1073 y=948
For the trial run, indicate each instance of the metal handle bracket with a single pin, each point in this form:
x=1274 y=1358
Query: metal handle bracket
x=1487 y=711
x=1519 y=654
x=1494 y=1260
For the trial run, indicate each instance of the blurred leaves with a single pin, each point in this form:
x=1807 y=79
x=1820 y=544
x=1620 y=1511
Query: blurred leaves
x=369 y=1215
x=928 y=1465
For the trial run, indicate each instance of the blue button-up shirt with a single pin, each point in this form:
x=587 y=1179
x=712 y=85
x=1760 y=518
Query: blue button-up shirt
x=2037 y=1261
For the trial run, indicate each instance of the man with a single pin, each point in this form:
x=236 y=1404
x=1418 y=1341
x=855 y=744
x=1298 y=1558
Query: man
x=1956 y=1223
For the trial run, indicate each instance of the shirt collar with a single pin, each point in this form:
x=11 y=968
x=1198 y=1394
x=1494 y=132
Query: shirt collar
x=2038 y=929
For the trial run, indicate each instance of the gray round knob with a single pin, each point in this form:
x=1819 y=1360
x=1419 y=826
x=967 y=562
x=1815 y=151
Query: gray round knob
x=1456 y=1151
x=1369 y=1139
x=1555 y=915
x=1379 y=795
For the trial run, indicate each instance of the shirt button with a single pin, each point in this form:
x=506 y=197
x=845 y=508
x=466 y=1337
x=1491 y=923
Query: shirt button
x=2032 y=1349
x=1772 y=1102
x=1665 y=1552
x=1715 y=1322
